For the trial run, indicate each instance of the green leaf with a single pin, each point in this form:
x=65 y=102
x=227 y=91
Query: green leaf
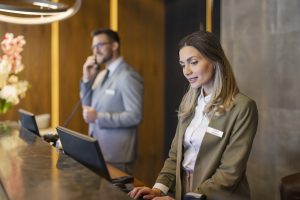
x=4 y=106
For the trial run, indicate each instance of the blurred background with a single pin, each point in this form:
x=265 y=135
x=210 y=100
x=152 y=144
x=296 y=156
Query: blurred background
x=260 y=37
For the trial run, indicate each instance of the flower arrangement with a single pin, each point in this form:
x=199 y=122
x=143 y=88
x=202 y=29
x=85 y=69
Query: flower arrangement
x=11 y=88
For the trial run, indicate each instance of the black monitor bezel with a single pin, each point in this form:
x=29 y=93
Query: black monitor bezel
x=28 y=121
x=102 y=167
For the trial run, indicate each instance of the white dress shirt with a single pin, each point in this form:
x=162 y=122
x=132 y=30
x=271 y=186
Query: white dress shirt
x=112 y=67
x=192 y=138
x=194 y=134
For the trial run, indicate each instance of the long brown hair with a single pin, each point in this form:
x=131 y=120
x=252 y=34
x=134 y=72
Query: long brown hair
x=224 y=84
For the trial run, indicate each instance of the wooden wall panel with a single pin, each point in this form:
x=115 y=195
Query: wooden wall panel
x=36 y=58
x=141 y=28
x=75 y=43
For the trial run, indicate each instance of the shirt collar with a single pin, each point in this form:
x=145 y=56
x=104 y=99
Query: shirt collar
x=206 y=99
x=113 y=66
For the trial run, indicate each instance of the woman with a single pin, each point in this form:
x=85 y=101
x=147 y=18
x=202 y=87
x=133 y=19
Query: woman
x=216 y=128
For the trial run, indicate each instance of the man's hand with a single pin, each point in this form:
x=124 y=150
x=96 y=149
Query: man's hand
x=89 y=68
x=89 y=114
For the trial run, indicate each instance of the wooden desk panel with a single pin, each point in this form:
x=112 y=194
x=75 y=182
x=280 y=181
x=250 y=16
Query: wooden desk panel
x=32 y=169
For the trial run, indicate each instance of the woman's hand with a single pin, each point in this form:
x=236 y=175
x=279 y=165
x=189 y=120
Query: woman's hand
x=163 y=198
x=145 y=192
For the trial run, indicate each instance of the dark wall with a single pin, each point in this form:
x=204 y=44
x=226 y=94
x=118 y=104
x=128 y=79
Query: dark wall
x=182 y=18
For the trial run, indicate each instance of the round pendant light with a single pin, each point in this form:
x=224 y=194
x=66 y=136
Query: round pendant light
x=33 y=12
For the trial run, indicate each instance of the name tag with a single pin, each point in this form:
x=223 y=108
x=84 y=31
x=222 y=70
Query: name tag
x=215 y=132
x=110 y=92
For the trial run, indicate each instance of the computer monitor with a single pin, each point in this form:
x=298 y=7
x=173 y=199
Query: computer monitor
x=28 y=121
x=84 y=149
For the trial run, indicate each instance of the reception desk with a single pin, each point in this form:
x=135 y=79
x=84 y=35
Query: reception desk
x=31 y=169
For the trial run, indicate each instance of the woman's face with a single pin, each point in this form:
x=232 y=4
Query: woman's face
x=196 y=68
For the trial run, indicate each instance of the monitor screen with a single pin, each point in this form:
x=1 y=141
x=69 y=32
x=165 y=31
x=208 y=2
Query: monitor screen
x=84 y=149
x=28 y=121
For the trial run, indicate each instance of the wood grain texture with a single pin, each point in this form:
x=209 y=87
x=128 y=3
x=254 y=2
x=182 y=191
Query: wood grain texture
x=37 y=62
x=141 y=28
x=75 y=43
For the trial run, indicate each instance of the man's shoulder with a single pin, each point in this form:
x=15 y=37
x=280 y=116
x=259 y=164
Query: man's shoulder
x=129 y=71
x=126 y=66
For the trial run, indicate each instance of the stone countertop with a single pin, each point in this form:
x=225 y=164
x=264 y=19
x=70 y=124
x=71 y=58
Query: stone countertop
x=32 y=169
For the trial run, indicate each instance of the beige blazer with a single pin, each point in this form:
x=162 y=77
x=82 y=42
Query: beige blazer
x=220 y=168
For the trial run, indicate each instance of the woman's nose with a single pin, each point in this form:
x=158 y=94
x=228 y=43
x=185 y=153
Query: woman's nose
x=187 y=70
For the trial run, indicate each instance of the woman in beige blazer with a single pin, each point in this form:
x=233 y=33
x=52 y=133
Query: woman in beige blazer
x=216 y=128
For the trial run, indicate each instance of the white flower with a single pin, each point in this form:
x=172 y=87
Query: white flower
x=13 y=79
x=11 y=88
x=10 y=94
x=5 y=68
x=22 y=87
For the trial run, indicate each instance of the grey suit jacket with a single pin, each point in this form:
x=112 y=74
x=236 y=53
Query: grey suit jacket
x=221 y=161
x=119 y=103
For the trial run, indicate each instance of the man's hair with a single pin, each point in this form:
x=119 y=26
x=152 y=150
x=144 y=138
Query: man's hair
x=113 y=36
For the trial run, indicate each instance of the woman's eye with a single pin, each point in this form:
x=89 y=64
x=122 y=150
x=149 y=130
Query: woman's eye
x=182 y=65
x=195 y=62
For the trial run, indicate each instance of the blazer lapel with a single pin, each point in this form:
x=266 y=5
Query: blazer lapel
x=209 y=141
x=181 y=132
x=100 y=90
x=114 y=75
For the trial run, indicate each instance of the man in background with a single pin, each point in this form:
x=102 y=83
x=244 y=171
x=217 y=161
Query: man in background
x=112 y=100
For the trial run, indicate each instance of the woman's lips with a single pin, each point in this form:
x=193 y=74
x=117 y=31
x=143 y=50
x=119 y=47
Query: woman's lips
x=192 y=80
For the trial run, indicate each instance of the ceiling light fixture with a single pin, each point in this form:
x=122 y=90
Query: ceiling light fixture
x=37 y=12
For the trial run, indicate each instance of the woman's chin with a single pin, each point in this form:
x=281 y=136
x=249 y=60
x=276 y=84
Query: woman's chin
x=195 y=85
